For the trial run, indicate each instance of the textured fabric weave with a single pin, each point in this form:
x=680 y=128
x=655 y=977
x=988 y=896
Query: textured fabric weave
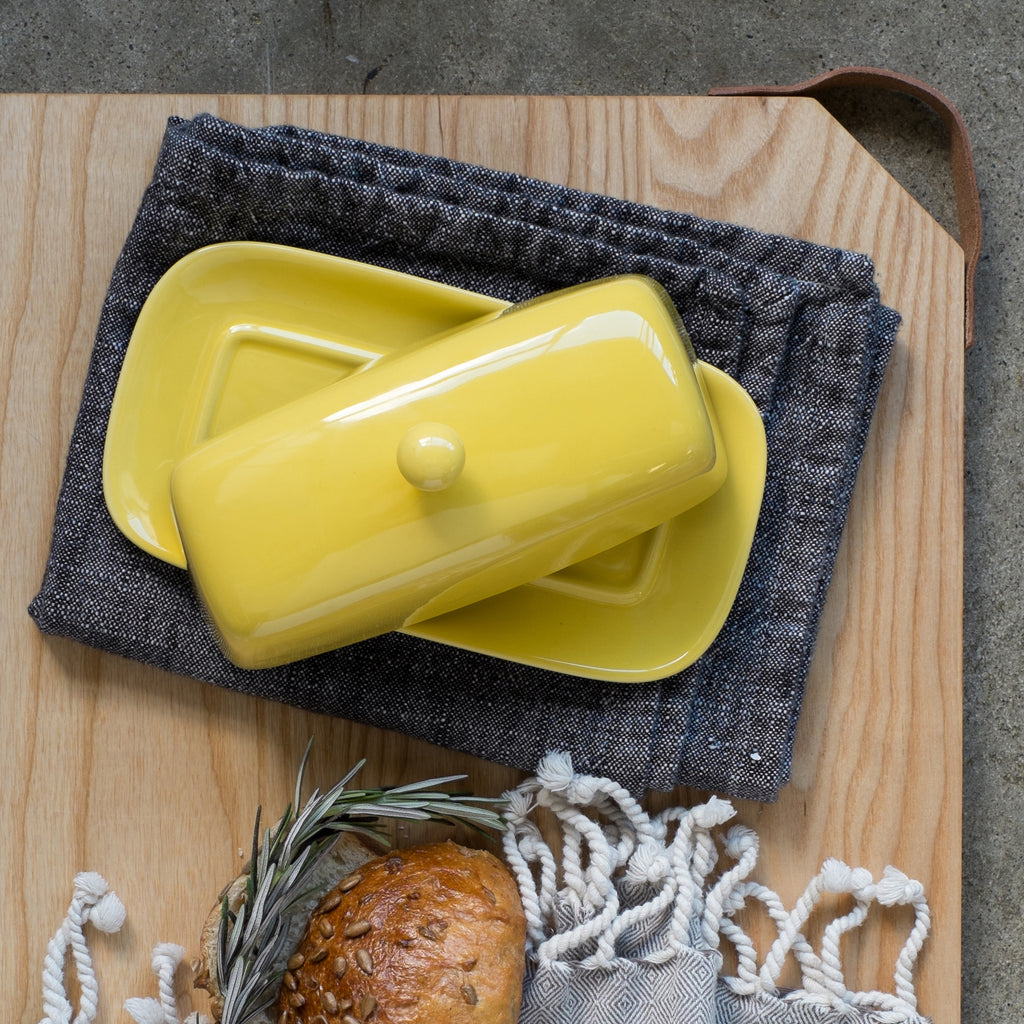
x=627 y=913
x=686 y=990
x=799 y=325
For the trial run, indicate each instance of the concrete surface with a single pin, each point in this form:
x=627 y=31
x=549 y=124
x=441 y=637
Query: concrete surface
x=970 y=51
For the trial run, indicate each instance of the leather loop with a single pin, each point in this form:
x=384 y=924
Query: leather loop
x=965 y=182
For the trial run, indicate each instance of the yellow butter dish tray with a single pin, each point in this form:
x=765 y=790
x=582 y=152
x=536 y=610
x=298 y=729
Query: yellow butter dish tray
x=348 y=450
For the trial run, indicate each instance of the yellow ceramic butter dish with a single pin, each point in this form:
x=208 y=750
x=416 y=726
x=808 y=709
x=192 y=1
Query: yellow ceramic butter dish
x=235 y=330
x=493 y=455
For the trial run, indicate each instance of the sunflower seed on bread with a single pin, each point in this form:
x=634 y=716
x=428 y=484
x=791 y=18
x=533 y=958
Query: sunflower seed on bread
x=348 y=853
x=430 y=933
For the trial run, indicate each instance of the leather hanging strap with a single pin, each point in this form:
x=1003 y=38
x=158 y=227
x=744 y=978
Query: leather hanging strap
x=965 y=182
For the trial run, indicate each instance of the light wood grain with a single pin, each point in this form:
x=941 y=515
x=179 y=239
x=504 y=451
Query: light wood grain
x=152 y=780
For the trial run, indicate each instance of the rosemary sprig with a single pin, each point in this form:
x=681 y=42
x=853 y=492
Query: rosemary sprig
x=250 y=941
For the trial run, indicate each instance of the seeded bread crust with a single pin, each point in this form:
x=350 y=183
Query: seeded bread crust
x=427 y=934
x=347 y=854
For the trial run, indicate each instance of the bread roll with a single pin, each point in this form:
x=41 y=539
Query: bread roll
x=345 y=856
x=429 y=934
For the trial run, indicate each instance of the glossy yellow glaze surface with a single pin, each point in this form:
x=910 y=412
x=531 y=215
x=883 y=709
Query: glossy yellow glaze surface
x=647 y=608
x=431 y=456
x=583 y=424
x=235 y=330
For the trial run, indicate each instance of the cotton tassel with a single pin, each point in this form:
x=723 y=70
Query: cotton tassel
x=145 y=1011
x=742 y=845
x=791 y=934
x=165 y=961
x=893 y=890
x=92 y=901
x=841 y=879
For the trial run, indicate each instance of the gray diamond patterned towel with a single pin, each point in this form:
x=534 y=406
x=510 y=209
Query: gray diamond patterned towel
x=626 y=922
x=799 y=325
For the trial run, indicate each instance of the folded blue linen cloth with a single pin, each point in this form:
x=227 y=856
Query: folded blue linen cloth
x=799 y=325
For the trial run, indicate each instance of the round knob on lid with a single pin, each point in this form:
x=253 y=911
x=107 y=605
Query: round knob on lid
x=431 y=456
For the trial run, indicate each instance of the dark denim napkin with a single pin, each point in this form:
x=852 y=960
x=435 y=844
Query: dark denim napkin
x=799 y=325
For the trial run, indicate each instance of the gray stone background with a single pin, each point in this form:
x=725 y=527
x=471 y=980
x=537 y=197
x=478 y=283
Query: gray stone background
x=970 y=51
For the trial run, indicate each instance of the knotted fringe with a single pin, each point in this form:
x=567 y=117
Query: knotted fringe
x=629 y=890
x=167 y=958
x=630 y=902
x=92 y=902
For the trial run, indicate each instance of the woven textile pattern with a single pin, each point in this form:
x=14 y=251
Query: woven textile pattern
x=626 y=914
x=799 y=325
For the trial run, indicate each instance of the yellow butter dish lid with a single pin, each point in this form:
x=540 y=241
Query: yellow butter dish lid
x=235 y=330
x=650 y=607
x=498 y=453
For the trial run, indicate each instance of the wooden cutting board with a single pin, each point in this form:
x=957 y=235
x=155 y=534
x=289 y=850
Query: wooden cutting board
x=152 y=780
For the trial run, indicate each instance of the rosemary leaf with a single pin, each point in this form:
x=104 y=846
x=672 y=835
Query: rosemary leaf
x=412 y=787
x=251 y=941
